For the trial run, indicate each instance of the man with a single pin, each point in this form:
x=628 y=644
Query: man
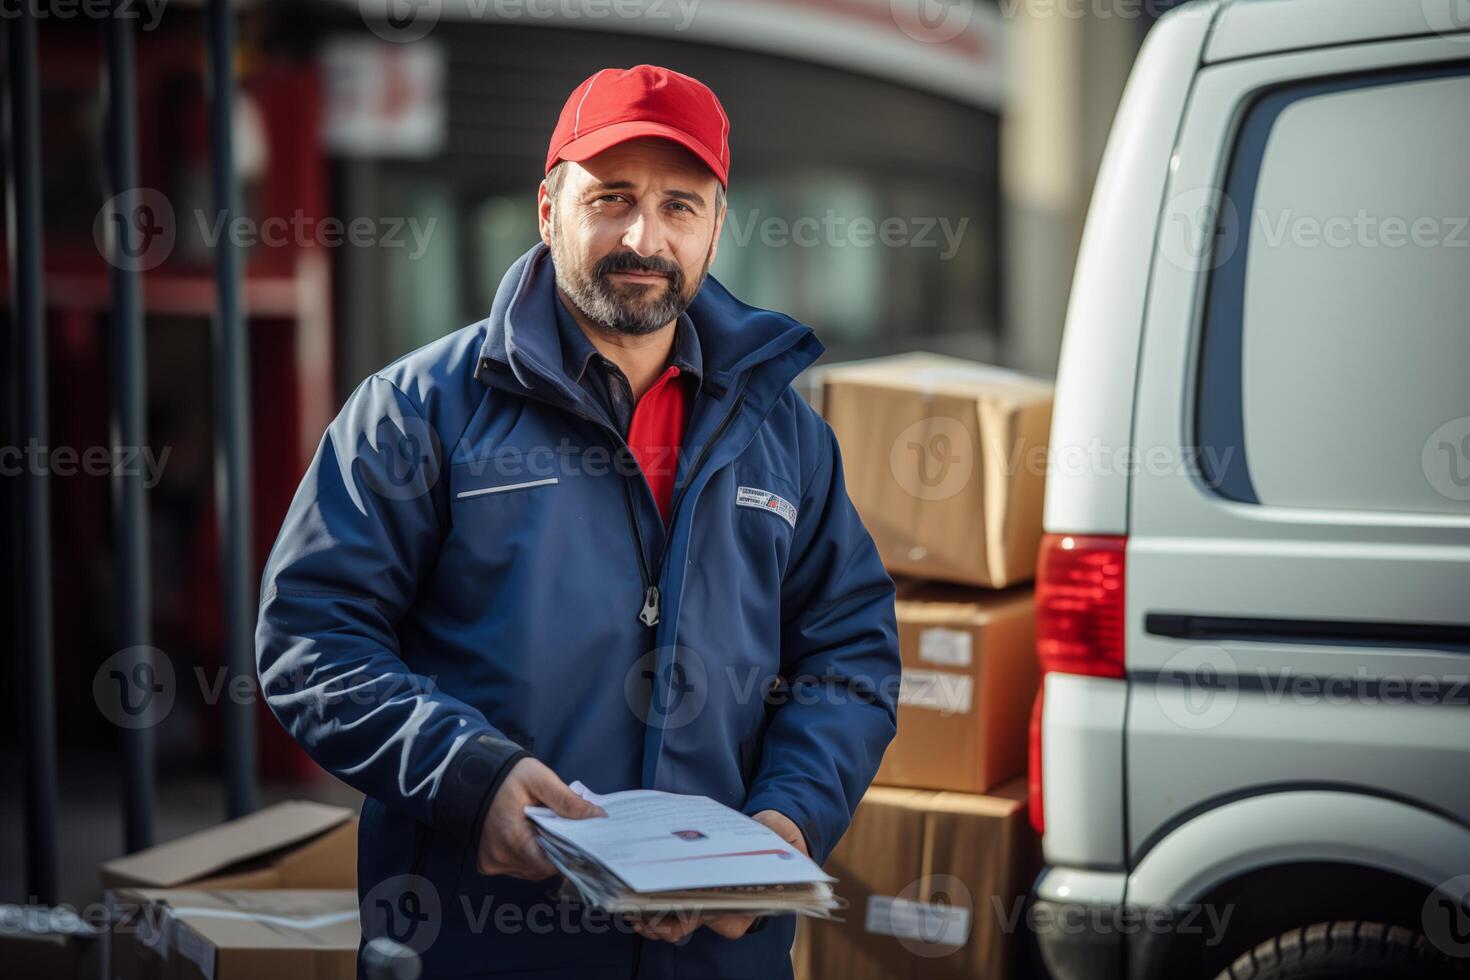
x=595 y=536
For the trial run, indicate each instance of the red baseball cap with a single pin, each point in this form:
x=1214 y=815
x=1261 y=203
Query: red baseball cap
x=619 y=104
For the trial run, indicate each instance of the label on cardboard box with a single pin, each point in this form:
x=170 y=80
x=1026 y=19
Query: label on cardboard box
x=152 y=931
x=148 y=925
x=194 y=948
x=936 y=690
x=940 y=645
x=925 y=922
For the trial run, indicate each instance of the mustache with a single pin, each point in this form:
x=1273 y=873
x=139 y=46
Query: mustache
x=632 y=262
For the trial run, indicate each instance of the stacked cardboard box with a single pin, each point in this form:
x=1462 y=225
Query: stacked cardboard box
x=271 y=894
x=945 y=461
x=179 y=934
x=969 y=673
x=934 y=883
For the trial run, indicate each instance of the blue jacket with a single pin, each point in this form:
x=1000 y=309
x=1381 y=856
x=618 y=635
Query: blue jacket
x=473 y=568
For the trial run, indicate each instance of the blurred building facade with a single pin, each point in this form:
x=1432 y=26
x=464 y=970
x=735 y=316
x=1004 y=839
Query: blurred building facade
x=830 y=139
x=973 y=127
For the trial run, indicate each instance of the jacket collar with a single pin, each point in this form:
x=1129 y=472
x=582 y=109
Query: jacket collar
x=577 y=351
x=733 y=338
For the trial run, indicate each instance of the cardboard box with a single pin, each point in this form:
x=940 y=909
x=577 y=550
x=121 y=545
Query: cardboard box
x=969 y=677
x=292 y=845
x=236 y=935
x=946 y=461
x=39 y=943
x=801 y=965
x=935 y=884
x=297 y=844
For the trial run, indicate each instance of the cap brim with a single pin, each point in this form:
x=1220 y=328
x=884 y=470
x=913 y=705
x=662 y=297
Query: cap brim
x=588 y=146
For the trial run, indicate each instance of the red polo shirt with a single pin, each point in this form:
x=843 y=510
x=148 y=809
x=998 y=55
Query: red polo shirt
x=653 y=426
x=657 y=432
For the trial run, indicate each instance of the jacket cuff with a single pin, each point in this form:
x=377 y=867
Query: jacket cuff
x=469 y=785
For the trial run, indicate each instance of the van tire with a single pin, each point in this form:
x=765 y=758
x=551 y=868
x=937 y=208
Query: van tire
x=1346 y=951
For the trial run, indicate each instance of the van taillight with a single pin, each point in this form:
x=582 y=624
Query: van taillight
x=1035 y=804
x=1079 y=623
x=1079 y=604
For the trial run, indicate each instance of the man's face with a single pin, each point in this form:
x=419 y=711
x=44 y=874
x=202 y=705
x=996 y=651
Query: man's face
x=632 y=233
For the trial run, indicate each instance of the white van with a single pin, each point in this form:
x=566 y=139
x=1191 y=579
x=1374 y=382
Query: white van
x=1251 y=755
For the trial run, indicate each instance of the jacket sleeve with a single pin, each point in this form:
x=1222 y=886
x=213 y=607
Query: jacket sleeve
x=363 y=531
x=839 y=658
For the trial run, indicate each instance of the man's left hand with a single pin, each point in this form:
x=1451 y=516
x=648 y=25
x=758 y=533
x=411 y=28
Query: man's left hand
x=673 y=928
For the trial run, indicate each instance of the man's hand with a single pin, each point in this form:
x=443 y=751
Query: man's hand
x=673 y=928
x=508 y=845
x=785 y=828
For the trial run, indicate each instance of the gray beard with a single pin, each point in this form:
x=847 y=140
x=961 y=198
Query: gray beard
x=620 y=309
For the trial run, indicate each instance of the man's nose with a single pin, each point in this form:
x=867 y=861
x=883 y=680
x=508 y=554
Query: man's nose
x=642 y=234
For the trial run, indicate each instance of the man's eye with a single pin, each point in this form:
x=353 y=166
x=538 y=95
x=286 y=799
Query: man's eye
x=681 y=206
x=612 y=197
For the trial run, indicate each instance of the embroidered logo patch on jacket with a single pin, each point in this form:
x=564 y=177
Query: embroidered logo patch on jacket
x=767 y=501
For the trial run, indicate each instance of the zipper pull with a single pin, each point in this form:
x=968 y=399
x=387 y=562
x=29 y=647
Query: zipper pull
x=649 y=613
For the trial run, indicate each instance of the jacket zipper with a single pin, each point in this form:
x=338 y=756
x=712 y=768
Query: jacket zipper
x=650 y=591
x=650 y=612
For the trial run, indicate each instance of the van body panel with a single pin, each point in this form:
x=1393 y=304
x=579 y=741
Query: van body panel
x=1082 y=770
x=1248 y=28
x=1342 y=694
x=1297 y=826
x=1087 y=481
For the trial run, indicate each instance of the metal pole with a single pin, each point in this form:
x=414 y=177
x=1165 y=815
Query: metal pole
x=232 y=419
x=27 y=307
x=129 y=386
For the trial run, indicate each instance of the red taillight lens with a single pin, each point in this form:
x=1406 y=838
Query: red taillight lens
x=1079 y=624
x=1079 y=604
x=1033 y=772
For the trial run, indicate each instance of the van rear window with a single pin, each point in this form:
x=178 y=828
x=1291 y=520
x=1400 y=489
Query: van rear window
x=1335 y=355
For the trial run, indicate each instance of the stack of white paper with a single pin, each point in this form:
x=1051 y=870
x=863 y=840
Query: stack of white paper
x=664 y=852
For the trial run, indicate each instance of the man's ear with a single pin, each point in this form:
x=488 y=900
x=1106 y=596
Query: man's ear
x=544 y=206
